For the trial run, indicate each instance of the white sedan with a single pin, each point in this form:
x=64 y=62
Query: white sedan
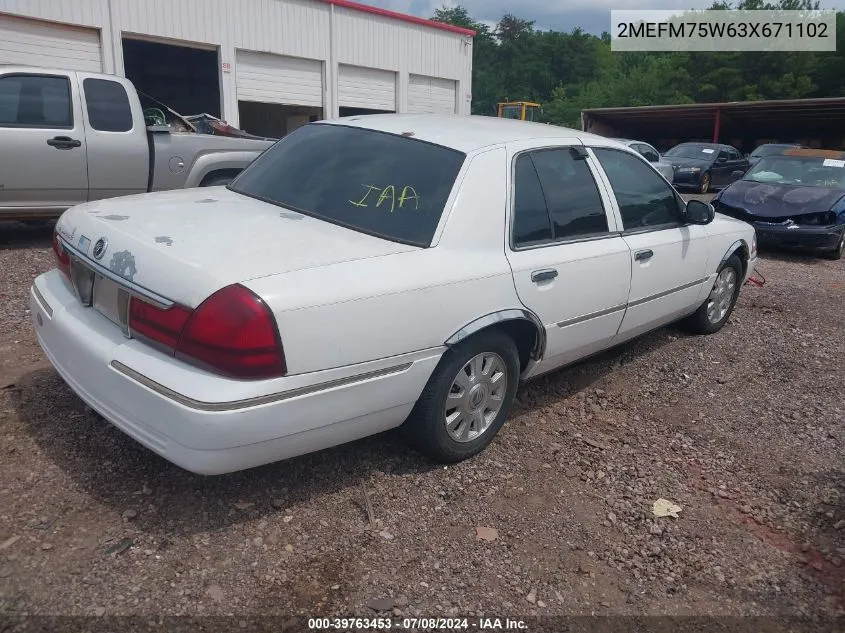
x=369 y=272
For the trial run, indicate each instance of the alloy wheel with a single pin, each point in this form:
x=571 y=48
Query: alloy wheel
x=475 y=397
x=719 y=301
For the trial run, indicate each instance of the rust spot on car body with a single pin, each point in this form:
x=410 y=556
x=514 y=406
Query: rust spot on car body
x=123 y=263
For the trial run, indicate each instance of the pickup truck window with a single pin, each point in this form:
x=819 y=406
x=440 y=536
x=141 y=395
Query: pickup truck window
x=37 y=101
x=108 y=105
x=645 y=200
x=377 y=183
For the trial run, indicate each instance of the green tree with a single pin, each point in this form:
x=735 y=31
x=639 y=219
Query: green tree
x=569 y=72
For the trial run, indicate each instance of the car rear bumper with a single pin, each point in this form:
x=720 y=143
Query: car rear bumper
x=212 y=428
x=797 y=237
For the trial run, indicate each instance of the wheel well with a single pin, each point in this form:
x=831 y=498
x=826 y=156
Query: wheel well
x=524 y=334
x=219 y=173
x=741 y=251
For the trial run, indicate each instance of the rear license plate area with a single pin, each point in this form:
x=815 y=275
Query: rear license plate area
x=104 y=295
x=82 y=279
x=111 y=301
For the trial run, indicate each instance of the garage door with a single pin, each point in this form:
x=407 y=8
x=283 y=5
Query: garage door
x=278 y=79
x=431 y=95
x=34 y=43
x=368 y=88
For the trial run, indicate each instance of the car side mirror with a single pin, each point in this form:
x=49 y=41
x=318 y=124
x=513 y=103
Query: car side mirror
x=737 y=174
x=721 y=159
x=698 y=212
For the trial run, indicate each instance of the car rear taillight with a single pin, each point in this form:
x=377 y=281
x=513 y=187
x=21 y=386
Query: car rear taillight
x=161 y=326
x=62 y=258
x=232 y=333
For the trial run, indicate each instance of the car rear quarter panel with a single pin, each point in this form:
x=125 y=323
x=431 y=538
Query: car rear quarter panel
x=380 y=307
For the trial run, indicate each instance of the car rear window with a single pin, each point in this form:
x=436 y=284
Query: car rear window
x=391 y=186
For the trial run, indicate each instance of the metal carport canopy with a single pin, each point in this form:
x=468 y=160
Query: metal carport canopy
x=824 y=116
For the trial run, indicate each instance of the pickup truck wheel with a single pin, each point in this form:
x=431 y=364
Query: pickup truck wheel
x=467 y=398
x=714 y=312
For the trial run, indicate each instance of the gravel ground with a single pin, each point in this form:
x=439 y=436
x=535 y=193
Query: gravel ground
x=742 y=429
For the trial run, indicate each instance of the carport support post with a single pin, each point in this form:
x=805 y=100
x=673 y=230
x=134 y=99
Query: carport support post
x=716 y=122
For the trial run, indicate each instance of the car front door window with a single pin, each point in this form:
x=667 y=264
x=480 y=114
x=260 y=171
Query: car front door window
x=645 y=200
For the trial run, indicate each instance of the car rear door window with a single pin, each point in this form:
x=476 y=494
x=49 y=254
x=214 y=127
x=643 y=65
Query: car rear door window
x=37 y=101
x=645 y=200
x=108 y=105
x=531 y=222
x=571 y=193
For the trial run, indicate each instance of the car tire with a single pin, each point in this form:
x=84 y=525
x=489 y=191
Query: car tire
x=712 y=315
x=482 y=360
x=704 y=185
x=839 y=251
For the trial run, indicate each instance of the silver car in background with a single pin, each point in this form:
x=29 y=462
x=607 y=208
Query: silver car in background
x=651 y=155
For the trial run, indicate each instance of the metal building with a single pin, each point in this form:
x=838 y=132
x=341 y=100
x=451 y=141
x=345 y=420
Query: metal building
x=267 y=66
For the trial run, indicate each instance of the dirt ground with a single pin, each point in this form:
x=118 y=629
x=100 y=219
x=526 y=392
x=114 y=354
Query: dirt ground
x=743 y=430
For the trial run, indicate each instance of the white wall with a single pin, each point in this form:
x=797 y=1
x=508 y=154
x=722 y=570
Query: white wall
x=299 y=28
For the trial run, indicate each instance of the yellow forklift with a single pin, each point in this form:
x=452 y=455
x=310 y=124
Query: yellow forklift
x=520 y=110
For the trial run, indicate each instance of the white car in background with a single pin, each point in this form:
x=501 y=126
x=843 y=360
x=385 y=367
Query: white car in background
x=651 y=155
x=371 y=271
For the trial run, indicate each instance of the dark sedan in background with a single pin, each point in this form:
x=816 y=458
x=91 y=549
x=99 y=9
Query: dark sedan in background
x=704 y=166
x=769 y=149
x=795 y=200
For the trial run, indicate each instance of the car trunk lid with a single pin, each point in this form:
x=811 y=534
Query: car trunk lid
x=185 y=245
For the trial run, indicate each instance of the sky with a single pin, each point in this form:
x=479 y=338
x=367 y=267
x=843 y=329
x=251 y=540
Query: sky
x=592 y=16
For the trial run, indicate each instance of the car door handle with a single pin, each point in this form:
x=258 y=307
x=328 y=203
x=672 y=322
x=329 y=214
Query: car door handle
x=543 y=275
x=641 y=256
x=63 y=142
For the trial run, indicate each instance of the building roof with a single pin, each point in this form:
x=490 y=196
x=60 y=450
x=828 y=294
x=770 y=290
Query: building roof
x=404 y=17
x=770 y=116
x=465 y=133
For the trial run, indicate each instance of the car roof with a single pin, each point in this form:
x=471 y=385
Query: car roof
x=465 y=133
x=50 y=70
x=704 y=143
x=629 y=141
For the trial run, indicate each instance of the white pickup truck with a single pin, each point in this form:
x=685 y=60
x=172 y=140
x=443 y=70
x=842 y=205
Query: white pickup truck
x=72 y=137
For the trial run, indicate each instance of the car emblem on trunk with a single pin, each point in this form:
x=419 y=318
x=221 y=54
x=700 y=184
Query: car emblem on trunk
x=100 y=247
